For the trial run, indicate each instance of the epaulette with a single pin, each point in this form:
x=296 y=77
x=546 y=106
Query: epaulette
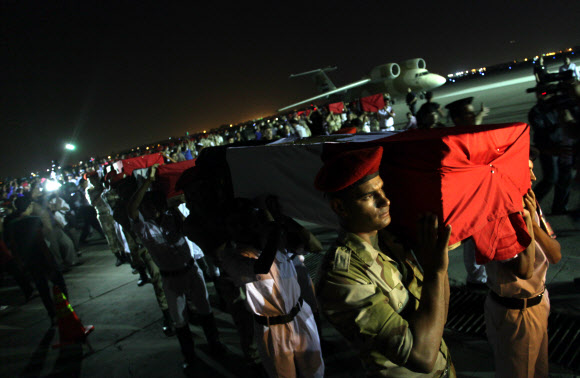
x=341 y=259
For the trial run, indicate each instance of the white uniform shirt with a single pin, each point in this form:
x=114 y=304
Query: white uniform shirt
x=196 y=252
x=301 y=131
x=272 y=294
x=168 y=249
x=59 y=216
x=385 y=120
x=571 y=67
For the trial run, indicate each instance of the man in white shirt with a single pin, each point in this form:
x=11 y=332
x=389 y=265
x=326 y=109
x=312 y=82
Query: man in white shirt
x=387 y=117
x=569 y=66
x=161 y=232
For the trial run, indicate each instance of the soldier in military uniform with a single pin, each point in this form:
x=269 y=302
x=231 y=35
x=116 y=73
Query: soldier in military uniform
x=371 y=288
x=104 y=214
x=121 y=189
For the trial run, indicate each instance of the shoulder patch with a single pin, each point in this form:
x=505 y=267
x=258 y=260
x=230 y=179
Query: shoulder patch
x=342 y=259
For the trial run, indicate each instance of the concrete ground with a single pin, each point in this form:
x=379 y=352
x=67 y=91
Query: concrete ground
x=128 y=341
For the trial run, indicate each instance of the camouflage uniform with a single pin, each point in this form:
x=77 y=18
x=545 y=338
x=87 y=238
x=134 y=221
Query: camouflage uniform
x=105 y=218
x=368 y=295
x=139 y=255
x=142 y=258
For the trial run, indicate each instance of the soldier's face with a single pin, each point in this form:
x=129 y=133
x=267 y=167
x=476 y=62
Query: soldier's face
x=532 y=175
x=365 y=208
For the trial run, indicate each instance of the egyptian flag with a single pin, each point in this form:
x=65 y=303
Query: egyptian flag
x=372 y=103
x=473 y=178
x=336 y=107
x=129 y=165
x=168 y=174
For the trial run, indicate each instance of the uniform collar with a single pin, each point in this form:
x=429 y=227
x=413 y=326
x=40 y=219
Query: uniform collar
x=365 y=251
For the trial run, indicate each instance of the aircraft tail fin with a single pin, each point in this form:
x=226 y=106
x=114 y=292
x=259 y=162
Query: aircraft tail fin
x=321 y=80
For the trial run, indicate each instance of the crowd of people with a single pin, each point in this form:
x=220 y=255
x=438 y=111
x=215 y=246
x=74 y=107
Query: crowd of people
x=390 y=303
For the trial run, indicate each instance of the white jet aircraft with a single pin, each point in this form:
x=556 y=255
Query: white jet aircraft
x=391 y=77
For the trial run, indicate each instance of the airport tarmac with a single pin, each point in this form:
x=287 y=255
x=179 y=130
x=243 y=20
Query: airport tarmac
x=503 y=93
x=128 y=341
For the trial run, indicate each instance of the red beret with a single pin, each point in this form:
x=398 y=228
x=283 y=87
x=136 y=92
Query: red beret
x=346 y=168
x=90 y=174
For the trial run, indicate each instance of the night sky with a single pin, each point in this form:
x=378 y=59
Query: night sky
x=109 y=77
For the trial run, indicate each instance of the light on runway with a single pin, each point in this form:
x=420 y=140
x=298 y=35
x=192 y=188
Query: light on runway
x=486 y=87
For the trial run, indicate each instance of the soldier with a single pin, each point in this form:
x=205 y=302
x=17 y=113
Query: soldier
x=371 y=287
x=160 y=229
x=104 y=215
x=209 y=194
x=517 y=306
x=259 y=257
x=121 y=189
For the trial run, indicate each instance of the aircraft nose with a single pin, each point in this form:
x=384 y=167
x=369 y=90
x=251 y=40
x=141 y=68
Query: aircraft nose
x=438 y=80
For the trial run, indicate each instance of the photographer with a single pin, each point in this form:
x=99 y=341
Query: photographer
x=550 y=119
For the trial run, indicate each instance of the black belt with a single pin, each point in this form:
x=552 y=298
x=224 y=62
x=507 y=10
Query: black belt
x=516 y=303
x=178 y=272
x=281 y=319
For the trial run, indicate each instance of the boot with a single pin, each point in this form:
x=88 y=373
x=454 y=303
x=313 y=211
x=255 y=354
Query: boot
x=120 y=259
x=143 y=277
x=168 y=329
x=212 y=335
x=132 y=262
x=187 y=346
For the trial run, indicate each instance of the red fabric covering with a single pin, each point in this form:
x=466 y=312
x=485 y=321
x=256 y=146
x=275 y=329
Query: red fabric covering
x=345 y=169
x=116 y=177
x=473 y=178
x=145 y=161
x=168 y=174
x=336 y=108
x=109 y=176
x=372 y=103
x=305 y=112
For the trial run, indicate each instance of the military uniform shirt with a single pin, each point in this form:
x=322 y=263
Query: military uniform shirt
x=367 y=295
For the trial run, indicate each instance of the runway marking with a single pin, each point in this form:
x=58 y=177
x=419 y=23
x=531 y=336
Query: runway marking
x=481 y=88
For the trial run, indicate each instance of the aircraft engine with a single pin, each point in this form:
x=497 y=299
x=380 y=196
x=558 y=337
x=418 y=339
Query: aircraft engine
x=385 y=71
x=413 y=64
